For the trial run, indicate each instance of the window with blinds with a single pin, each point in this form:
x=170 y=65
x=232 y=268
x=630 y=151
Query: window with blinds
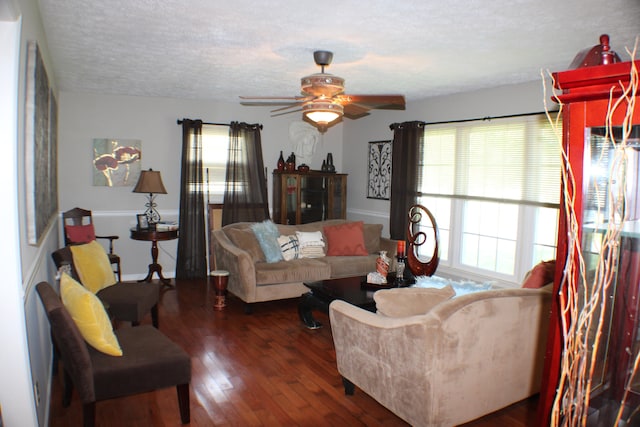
x=494 y=188
x=215 y=152
x=503 y=160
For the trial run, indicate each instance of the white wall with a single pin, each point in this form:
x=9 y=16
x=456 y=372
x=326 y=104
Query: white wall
x=84 y=117
x=504 y=100
x=25 y=360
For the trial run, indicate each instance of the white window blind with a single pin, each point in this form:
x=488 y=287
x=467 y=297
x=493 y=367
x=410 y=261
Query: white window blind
x=215 y=152
x=513 y=160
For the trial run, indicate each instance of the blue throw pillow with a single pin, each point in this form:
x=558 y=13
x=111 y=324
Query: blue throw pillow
x=460 y=288
x=267 y=235
x=463 y=288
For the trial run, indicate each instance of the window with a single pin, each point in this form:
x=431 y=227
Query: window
x=215 y=152
x=494 y=189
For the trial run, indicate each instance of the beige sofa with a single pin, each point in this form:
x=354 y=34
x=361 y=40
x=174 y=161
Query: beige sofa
x=464 y=358
x=253 y=280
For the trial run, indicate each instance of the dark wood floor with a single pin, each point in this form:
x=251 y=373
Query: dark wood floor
x=263 y=369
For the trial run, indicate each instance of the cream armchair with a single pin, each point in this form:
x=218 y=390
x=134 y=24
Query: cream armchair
x=466 y=357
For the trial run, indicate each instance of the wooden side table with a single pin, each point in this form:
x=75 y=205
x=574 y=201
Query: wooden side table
x=154 y=236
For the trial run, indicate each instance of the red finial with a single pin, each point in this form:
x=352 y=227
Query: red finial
x=607 y=54
x=600 y=54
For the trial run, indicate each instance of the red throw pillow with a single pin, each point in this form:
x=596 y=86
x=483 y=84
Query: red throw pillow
x=80 y=233
x=540 y=275
x=345 y=239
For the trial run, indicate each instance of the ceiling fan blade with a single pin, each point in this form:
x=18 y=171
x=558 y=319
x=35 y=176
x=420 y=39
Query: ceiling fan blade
x=286 y=107
x=262 y=101
x=293 y=98
x=355 y=111
x=267 y=103
x=385 y=102
x=286 y=112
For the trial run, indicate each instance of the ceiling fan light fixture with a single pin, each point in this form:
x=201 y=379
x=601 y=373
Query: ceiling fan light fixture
x=322 y=112
x=323 y=116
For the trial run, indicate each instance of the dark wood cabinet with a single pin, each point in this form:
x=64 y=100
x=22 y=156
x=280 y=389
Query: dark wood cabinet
x=302 y=197
x=602 y=234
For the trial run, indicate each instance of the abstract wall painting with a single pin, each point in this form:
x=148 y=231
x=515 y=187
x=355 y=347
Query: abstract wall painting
x=116 y=162
x=379 y=182
x=41 y=137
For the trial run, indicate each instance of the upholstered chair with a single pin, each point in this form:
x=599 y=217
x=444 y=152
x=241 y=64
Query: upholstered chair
x=449 y=362
x=125 y=301
x=149 y=361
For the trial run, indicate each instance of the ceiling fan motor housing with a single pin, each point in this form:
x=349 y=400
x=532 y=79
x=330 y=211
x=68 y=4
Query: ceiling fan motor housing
x=323 y=58
x=322 y=84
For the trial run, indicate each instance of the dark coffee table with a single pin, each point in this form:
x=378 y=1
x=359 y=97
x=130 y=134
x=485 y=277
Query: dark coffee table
x=353 y=290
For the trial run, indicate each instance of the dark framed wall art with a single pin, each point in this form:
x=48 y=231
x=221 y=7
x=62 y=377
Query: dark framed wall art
x=379 y=182
x=41 y=134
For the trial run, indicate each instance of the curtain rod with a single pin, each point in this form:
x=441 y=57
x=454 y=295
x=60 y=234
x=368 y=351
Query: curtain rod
x=207 y=123
x=480 y=119
x=217 y=124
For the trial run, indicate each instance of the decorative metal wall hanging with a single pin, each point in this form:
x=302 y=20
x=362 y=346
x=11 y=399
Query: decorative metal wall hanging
x=379 y=182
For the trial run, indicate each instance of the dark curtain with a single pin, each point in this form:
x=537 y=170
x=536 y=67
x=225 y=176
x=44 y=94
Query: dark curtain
x=192 y=252
x=245 y=194
x=408 y=138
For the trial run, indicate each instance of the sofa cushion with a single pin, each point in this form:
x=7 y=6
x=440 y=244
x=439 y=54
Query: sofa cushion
x=289 y=246
x=348 y=266
x=297 y=270
x=311 y=244
x=540 y=275
x=310 y=238
x=151 y=361
x=372 y=233
x=345 y=239
x=318 y=225
x=403 y=302
x=287 y=230
x=245 y=239
x=267 y=234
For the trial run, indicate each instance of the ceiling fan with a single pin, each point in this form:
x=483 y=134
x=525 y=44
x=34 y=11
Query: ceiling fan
x=322 y=99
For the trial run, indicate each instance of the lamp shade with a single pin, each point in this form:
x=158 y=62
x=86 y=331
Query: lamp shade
x=150 y=182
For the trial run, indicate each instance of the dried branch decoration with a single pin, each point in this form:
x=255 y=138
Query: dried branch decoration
x=583 y=294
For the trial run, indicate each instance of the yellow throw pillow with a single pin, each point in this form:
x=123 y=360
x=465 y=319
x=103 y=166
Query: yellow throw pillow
x=93 y=266
x=89 y=315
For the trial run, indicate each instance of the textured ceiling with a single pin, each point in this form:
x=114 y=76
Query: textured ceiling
x=218 y=50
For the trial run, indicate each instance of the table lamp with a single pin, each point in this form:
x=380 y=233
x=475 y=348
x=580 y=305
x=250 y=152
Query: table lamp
x=150 y=182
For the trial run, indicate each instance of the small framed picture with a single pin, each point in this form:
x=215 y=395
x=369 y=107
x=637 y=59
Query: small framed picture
x=143 y=221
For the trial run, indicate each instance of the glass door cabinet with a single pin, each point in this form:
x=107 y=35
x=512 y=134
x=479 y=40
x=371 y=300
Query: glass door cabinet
x=604 y=157
x=303 y=197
